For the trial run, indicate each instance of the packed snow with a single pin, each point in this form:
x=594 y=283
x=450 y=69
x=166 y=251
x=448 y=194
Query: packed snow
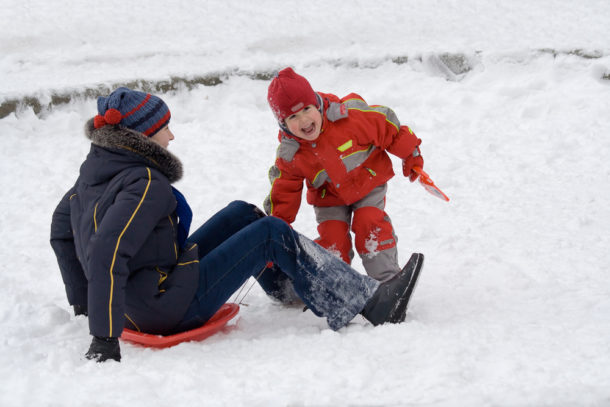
x=512 y=102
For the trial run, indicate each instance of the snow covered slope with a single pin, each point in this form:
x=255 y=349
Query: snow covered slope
x=512 y=102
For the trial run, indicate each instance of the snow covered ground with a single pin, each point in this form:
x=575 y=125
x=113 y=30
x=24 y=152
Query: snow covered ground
x=512 y=101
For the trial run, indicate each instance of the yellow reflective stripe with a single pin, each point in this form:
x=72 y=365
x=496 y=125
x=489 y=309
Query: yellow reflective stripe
x=71 y=196
x=345 y=146
x=133 y=323
x=361 y=105
x=317 y=175
x=270 y=203
x=270 y=192
x=376 y=111
x=95 y=217
x=163 y=276
x=356 y=152
x=116 y=249
x=188 y=262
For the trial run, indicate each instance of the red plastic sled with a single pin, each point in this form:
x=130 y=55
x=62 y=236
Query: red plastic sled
x=215 y=324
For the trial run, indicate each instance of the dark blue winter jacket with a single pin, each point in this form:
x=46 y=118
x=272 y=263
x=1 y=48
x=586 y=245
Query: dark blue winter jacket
x=114 y=235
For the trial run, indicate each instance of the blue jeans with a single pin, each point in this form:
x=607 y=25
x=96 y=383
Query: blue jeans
x=239 y=242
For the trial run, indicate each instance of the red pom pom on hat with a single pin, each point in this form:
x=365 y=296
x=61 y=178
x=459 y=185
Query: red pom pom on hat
x=98 y=121
x=113 y=116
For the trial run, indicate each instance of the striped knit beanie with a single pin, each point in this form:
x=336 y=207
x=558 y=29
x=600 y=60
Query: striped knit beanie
x=138 y=111
x=289 y=93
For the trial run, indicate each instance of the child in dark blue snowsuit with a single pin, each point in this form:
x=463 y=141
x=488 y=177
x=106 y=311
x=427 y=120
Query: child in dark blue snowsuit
x=120 y=237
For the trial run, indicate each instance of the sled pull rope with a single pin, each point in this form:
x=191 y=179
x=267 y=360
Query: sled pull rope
x=240 y=302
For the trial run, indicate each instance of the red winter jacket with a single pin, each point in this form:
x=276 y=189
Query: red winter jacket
x=344 y=163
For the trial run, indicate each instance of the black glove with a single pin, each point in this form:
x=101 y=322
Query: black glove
x=80 y=310
x=102 y=349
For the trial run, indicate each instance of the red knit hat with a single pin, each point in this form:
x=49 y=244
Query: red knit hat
x=289 y=93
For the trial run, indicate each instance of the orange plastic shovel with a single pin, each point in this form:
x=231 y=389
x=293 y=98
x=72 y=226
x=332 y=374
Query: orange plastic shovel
x=427 y=183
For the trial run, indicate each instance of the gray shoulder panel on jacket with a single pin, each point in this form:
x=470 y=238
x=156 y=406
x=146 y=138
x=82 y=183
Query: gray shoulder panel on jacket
x=363 y=106
x=287 y=149
x=336 y=111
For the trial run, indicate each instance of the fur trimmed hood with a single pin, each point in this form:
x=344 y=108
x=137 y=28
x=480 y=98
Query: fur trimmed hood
x=122 y=138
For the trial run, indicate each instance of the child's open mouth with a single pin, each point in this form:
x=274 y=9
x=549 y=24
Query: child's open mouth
x=309 y=130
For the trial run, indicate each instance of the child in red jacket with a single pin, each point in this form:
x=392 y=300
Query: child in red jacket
x=338 y=146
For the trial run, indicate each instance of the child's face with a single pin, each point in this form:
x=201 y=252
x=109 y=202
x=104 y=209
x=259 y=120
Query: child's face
x=163 y=137
x=306 y=123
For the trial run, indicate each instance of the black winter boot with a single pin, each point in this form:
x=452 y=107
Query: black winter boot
x=389 y=302
x=102 y=349
x=413 y=266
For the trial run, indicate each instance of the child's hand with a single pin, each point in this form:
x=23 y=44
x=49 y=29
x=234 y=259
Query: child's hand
x=414 y=160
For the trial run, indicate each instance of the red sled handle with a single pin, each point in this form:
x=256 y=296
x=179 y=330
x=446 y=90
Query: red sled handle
x=427 y=183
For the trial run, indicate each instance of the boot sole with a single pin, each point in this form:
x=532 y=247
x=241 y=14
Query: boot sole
x=399 y=313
